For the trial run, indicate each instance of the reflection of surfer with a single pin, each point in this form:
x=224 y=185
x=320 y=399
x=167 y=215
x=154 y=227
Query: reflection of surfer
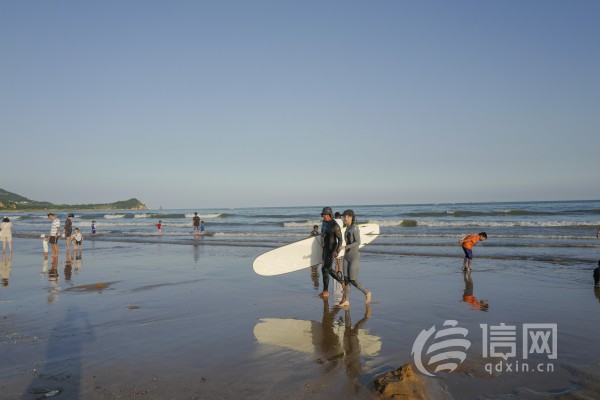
x=325 y=338
x=468 y=296
x=332 y=243
x=351 y=343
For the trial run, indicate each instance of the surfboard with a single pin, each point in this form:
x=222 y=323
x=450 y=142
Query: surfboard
x=311 y=336
x=303 y=253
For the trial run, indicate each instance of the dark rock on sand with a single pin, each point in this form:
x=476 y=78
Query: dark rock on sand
x=404 y=384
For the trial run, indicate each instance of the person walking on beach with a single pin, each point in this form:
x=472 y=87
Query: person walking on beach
x=352 y=259
x=54 y=229
x=332 y=243
x=467 y=242
x=6 y=234
x=159 y=227
x=196 y=224
x=68 y=230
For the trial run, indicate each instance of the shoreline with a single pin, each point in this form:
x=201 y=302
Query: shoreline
x=164 y=321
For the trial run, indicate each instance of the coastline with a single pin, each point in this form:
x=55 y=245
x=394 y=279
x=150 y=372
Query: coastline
x=162 y=320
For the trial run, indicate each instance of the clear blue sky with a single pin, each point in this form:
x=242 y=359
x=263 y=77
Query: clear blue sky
x=192 y=104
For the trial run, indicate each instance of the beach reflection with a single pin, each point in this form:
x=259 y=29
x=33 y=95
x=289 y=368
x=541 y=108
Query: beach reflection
x=78 y=259
x=5 y=267
x=469 y=298
x=68 y=265
x=53 y=288
x=334 y=342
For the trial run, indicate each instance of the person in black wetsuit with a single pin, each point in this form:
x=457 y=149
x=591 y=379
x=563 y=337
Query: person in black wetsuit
x=332 y=242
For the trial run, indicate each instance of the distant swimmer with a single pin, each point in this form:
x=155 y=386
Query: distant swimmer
x=467 y=242
x=332 y=243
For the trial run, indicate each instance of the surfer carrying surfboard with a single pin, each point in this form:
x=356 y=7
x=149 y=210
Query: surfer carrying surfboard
x=352 y=259
x=332 y=243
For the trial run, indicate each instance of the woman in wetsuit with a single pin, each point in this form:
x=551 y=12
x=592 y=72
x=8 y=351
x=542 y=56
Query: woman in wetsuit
x=352 y=259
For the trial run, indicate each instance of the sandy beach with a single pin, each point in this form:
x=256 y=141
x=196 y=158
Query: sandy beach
x=174 y=321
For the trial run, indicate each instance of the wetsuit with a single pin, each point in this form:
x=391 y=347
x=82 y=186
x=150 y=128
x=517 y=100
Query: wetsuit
x=352 y=260
x=332 y=241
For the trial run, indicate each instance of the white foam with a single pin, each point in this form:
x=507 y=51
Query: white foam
x=114 y=216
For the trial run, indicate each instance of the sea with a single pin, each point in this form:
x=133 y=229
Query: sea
x=560 y=232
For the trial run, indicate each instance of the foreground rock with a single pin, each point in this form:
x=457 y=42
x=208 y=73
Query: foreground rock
x=404 y=384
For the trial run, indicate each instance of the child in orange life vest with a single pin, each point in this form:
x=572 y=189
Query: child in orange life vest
x=467 y=243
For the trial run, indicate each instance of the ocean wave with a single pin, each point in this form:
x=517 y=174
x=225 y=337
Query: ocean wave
x=114 y=216
x=207 y=216
x=500 y=224
x=495 y=213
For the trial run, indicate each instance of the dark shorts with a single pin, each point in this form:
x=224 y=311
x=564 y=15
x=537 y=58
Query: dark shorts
x=78 y=242
x=68 y=233
x=468 y=253
x=53 y=240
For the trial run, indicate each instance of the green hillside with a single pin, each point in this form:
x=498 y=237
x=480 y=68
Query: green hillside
x=11 y=201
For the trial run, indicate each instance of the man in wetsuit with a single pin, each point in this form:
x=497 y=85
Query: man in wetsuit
x=332 y=241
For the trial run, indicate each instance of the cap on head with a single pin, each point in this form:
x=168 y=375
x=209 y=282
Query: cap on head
x=349 y=212
x=327 y=211
x=72 y=215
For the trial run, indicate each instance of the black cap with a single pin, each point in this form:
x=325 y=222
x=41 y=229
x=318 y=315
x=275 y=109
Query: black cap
x=327 y=211
x=71 y=215
x=348 y=212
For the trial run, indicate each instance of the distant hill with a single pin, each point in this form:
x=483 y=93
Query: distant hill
x=15 y=202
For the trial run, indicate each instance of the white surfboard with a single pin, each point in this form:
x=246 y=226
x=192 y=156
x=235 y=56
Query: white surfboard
x=312 y=337
x=303 y=253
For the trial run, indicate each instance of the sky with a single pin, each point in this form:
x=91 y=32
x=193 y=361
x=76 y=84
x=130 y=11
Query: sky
x=215 y=104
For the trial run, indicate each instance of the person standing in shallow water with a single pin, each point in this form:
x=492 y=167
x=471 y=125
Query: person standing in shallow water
x=54 y=234
x=332 y=243
x=68 y=231
x=467 y=243
x=352 y=259
x=6 y=234
x=196 y=224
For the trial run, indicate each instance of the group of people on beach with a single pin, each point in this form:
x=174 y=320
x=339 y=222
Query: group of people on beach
x=333 y=244
x=196 y=223
x=72 y=237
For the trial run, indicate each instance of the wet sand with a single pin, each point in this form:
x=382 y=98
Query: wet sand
x=171 y=321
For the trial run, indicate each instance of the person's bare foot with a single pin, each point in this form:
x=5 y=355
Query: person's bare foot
x=368 y=298
x=324 y=294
